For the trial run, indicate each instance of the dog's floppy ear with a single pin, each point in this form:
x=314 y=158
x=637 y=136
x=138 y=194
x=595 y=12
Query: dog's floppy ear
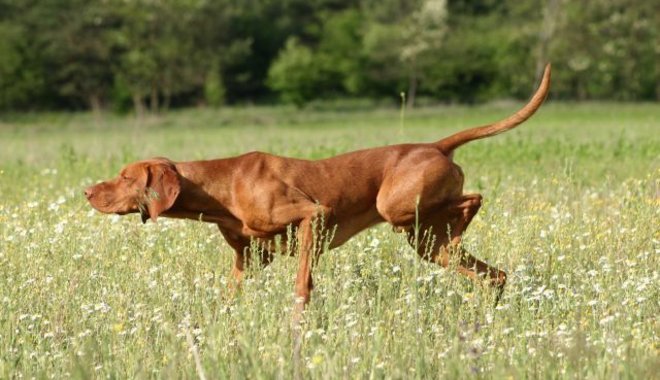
x=163 y=186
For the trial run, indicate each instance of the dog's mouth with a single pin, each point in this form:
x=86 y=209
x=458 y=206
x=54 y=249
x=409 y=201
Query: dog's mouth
x=109 y=206
x=101 y=206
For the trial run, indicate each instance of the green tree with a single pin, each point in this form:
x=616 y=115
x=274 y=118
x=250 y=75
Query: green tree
x=82 y=49
x=214 y=90
x=295 y=74
x=618 y=51
x=72 y=54
x=20 y=79
x=423 y=33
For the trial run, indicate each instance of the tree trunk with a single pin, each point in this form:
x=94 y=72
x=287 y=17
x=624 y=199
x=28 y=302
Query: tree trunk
x=550 y=16
x=412 y=92
x=581 y=91
x=412 y=85
x=657 y=82
x=167 y=97
x=95 y=105
x=153 y=102
x=138 y=104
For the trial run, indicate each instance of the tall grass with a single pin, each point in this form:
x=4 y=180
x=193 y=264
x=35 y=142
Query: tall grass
x=571 y=210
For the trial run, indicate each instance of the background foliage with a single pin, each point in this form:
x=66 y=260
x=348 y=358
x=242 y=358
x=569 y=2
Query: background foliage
x=151 y=55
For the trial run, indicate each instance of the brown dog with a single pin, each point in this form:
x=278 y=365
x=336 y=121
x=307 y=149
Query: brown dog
x=258 y=196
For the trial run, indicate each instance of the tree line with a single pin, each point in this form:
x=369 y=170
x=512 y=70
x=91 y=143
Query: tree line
x=149 y=55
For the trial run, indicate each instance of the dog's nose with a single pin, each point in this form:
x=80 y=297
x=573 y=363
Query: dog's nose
x=89 y=192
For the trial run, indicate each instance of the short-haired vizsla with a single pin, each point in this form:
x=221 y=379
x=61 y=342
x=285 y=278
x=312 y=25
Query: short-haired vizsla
x=259 y=195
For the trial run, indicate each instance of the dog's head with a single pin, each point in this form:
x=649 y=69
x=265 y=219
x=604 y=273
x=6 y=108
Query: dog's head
x=149 y=187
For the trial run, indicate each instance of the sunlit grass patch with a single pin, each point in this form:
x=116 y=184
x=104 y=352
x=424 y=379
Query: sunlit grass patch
x=574 y=224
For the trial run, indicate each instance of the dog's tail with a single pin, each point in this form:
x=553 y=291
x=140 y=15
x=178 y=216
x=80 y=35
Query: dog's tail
x=448 y=144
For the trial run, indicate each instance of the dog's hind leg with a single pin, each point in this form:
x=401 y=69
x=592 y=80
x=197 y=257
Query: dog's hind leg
x=438 y=236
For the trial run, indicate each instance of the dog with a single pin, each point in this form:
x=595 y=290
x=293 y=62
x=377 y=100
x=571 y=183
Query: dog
x=417 y=188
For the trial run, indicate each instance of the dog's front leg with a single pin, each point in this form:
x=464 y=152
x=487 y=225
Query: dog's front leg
x=241 y=259
x=310 y=241
x=302 y=289
x=304 y=284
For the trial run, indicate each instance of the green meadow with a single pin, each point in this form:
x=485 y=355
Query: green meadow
x=571 y=211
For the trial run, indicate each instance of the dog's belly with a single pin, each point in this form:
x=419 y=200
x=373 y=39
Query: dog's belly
x=340 y=232
x=346 y=229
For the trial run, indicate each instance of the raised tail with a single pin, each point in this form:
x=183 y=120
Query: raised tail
x=448 y=144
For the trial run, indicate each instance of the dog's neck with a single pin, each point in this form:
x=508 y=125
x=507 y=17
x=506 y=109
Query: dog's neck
x=205 y=194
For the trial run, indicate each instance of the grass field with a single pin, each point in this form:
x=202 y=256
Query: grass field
x=572 y=204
